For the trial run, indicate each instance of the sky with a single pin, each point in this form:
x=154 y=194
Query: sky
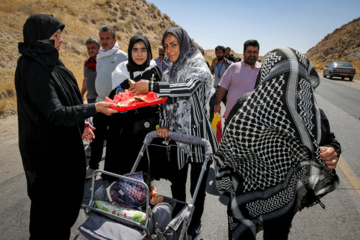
x=277 y=23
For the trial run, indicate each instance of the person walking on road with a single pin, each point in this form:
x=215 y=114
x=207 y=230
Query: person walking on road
x=277 y=154
x=218 y=67
x=239 y=79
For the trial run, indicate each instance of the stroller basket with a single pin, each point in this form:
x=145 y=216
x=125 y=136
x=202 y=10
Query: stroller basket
x=177 y=227
x=91 y=209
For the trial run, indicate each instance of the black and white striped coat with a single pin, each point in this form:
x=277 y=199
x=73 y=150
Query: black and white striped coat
x=185 y=111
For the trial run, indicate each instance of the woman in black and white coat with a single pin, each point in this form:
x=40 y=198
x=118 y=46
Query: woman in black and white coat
x=188 y=84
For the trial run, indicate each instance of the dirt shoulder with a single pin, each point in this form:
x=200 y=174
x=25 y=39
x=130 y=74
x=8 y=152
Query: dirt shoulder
x=9 y=124
x=8 y=127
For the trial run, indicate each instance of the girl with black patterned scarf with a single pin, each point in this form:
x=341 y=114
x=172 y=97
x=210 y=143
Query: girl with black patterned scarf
x=128 y=130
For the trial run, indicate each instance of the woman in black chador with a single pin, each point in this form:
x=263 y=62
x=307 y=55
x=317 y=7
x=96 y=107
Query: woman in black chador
x=51 y=118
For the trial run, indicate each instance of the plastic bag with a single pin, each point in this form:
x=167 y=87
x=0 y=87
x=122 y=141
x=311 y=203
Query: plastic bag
x=217 y=126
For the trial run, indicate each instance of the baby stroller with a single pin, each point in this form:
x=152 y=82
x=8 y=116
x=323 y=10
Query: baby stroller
x=158 y=223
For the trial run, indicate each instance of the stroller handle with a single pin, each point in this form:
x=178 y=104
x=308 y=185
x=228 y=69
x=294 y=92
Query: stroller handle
x=183 y=138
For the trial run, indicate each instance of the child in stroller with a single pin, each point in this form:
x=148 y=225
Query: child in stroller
x=157 y=223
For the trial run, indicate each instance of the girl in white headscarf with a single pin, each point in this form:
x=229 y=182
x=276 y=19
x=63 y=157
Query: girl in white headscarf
x=128 y=130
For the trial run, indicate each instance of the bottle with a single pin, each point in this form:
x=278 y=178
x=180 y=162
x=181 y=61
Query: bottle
x=89 y=120
x=119 y=90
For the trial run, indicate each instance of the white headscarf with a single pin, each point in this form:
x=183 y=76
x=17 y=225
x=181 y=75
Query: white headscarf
x=106 y=53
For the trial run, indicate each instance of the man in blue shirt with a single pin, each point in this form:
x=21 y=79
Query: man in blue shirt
x=218 y=67
x=163 y=62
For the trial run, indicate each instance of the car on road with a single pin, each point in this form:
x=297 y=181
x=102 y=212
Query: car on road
x=339 y=69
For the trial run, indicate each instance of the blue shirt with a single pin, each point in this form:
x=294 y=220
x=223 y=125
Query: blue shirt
x=160 y=65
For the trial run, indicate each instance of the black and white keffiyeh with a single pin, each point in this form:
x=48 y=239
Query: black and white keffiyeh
x=268 y=159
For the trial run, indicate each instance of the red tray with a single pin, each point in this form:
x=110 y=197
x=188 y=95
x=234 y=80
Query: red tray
x=139 y=104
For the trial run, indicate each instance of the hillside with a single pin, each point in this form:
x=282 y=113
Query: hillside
x=341 y=45
x=82 y=19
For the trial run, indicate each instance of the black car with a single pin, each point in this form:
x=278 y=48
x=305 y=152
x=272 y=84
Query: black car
x=339 y=69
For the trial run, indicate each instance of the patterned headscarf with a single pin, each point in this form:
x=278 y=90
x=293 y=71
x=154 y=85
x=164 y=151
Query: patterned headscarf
x=91 y=64
x=269 y=158
x=187 y=48
x=190 y=68
x=190 y=63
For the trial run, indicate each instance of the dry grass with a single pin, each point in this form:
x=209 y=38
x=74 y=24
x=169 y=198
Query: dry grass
x=82 y=19
x=341 y=45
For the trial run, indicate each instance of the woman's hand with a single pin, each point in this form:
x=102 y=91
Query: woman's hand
x=140 y=87
x=88 y=134
x=329 y=156
x=163 y=132
x=103 y=107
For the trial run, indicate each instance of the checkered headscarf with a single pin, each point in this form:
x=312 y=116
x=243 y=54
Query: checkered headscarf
x=268 y=159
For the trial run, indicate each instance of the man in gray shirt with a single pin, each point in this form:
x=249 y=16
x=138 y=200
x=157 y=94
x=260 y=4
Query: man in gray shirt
x=93 y=47
x=106 y=61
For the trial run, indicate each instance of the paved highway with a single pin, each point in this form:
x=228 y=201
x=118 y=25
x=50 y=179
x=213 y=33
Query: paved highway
x=340 y=220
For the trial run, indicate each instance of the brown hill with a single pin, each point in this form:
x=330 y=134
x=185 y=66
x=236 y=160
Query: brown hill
x=82 y=19
x=341 y=45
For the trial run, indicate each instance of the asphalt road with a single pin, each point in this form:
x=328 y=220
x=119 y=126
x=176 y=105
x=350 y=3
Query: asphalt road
x=340 y=219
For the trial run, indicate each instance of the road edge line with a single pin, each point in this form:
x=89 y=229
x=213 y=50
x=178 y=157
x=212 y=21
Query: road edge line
x=349 y=175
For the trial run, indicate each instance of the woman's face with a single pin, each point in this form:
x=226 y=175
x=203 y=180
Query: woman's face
x=172 y=47
x=58 y=39
x=139 y=53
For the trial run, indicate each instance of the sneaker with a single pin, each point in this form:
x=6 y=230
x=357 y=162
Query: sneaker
x=89 y=173
x=194 y=231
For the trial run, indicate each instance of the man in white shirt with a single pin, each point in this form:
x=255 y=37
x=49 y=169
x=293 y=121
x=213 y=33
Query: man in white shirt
x=106 y=61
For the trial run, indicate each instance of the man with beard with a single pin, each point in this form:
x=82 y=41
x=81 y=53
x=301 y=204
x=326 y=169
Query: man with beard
x=240 y=78
x=218 y=67
x=162 y=61
x=93 y=47
x=228 y=54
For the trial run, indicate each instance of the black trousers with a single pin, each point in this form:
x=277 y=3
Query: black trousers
x=275 y=229
x=100 y=122
x=178 y=187
x=56 y=204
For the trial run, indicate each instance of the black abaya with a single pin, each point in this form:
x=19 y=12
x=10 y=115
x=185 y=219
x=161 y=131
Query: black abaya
x=51 y=120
